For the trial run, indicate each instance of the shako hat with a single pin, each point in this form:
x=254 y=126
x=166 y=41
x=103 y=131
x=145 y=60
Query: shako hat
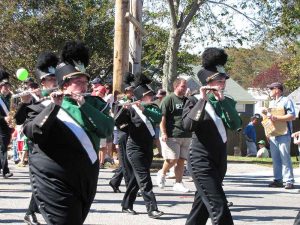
x=141 y=86
x=75 y=59
x=128 y=81
x=4 y=77
x=213 y=61
x=46 y=65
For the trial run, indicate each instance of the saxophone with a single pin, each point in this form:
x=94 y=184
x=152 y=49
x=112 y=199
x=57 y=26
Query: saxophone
x=11 y=114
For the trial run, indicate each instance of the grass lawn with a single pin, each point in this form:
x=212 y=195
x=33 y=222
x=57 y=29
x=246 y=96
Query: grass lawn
x=243 y=159
x=263 y=161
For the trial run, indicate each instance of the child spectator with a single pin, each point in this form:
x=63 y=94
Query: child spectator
x=263 y=151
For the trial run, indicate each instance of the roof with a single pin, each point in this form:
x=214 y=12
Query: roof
x=295 y=97
x=259 y=94
x=237 y=92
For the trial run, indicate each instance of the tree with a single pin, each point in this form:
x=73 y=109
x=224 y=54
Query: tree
x=270 y=75
x=290 y=67
x=154 y=47
x=286 y=34
x=245 y=64
x=29 y=27
x=214 y=21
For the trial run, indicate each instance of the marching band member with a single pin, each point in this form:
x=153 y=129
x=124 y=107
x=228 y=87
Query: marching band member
x=208 y=115
x=45 y=73
x=5 y=130
x=66 y=132
x=122 y=136
x=141 y=118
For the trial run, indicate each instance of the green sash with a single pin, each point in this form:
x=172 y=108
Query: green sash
x=71 y=107
x=225 y=109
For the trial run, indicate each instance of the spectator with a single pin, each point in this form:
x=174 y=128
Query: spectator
x=100 y=91
x=280 y=145
x=263 y=151
x=174 y=140
x=250 y=135
x=96 y=82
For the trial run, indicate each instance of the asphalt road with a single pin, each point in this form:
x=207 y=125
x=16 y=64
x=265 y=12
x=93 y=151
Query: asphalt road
x=245 y=185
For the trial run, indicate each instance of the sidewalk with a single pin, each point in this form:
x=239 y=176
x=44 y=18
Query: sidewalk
x=245 y=185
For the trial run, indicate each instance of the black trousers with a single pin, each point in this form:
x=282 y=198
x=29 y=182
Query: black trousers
x=64 y=196
x=4 y=142
x=124 y=163
x=208 y=168
x=32 y=208
x=140 y=156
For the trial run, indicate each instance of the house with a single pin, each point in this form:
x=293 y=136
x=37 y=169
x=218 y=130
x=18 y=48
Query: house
x=295 y=97
x=262 y=98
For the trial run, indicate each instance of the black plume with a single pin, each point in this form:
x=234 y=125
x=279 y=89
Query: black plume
x=128 y=78
x=213 y=57
x=141 y=79
x=46 y=60
x=4 y=74
x=75 y=51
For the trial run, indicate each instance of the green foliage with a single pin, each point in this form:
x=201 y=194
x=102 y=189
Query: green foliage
x=290 y=67
x=31 y=27
x=288 y=27
x=245 y=64
x=286 y=35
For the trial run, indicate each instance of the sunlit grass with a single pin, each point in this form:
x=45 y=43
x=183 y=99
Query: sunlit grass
x=263 y=161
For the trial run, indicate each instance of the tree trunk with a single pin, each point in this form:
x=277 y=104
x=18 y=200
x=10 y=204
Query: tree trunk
x=171 y=58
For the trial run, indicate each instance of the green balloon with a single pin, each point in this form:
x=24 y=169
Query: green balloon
x=22 y=74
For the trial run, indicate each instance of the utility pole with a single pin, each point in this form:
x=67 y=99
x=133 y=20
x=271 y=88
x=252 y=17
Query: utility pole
x=135 y=35
x=127 y=49
x=121 y=44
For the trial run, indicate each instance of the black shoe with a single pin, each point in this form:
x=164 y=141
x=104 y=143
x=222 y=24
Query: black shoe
x=17 y=161
x=129 y=211
x=101 y=166
x=229 y=204
x=115 y=189
x=276 y=183
x=7 y=175
x=31 y=219
x=155 y=214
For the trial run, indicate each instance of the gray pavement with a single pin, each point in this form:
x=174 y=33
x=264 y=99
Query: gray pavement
x=245 y=186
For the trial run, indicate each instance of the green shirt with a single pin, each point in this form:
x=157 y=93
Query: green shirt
x=172 y=107
x=263 y=153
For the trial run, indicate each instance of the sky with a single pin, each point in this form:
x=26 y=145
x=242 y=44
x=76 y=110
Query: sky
x=239 y=22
